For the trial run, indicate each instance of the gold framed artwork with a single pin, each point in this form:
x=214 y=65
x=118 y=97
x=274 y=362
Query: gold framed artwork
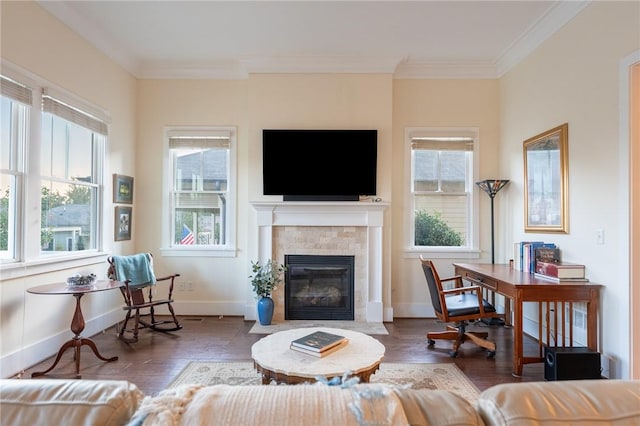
x=122 y=226
x=122 y=189
x=546 y=175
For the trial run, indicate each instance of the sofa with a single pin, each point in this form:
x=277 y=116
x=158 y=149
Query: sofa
x=105 y=402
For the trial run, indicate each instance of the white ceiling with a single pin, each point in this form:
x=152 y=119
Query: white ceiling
x=229 y=39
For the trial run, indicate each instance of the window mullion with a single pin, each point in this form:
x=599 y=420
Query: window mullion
x=439 y=171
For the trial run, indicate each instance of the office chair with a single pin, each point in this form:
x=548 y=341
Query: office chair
x=458 y=305
x=140 y=286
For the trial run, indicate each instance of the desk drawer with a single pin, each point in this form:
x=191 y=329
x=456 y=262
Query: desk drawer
x=480 y=280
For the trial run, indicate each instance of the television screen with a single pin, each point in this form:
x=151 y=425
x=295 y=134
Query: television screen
x=319 y=165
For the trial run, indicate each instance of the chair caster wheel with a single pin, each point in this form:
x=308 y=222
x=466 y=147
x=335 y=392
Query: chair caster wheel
x=431 y=342
x=491 y=354
x=453 y=354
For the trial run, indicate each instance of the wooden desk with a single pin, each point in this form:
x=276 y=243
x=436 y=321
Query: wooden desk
x=554 y=299
x=77 y=323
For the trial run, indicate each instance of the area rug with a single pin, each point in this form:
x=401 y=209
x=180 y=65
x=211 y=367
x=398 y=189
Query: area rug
x=361 y=326
x=417 y=376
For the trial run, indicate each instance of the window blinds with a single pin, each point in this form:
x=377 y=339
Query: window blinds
x=74 y=115
x=443 y=144
x=441 y=139
x=211 y=139
x=15 y=91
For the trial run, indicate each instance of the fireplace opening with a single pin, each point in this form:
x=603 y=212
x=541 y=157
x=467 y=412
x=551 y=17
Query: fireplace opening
x=319 y=287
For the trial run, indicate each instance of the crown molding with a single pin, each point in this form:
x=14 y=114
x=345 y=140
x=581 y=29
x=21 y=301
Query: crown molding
x=414 y=69
x=554 y=19
x=97 y=38
x=302 y=64
x=222 y=70
x=401 y=68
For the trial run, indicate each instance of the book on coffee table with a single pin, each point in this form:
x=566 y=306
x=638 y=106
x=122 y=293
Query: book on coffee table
x=318 y=341
x=323 y=353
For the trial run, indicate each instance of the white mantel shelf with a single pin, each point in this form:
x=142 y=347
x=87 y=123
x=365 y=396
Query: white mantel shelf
x=307 y=213
x=339 y=213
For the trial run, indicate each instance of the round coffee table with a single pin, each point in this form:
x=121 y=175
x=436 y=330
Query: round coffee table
x=274 y=360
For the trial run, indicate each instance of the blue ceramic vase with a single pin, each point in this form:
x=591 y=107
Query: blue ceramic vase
x=265 y=310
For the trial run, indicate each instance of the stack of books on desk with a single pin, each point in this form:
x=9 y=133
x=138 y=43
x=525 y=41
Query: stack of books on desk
x=527 y=252
x=319 y=343
x=560 y=271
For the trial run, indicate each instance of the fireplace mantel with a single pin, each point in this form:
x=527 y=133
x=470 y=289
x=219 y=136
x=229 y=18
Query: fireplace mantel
x=314 y=214
x=298 y=213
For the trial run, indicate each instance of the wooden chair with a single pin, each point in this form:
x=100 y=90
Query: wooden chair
x=140 y=286
x=459 y=305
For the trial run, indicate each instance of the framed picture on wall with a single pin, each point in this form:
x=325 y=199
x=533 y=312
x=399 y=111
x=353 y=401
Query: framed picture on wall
x=122 y=189
x=122 y=226
x=546 y=175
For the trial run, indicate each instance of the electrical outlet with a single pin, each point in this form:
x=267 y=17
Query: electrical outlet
x=189 y=286
x=599 y=236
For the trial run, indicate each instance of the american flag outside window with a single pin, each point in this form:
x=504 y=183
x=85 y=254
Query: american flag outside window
x=187 y=235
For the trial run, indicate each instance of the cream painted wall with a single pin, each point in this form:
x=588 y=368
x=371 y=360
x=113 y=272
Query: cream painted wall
x=438 y=103
x=573 y=78
x=33 y=327
x=218 y=283
x=305 y=101
x=322 y=101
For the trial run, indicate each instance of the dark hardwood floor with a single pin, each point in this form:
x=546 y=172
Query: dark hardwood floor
x=156 y=358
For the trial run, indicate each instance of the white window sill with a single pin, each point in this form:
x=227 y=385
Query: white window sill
x=440 y=253
x=205 y=251
x=51 y=263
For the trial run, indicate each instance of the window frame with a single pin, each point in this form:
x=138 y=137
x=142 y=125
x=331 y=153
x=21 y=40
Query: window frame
x=16 y=172
x=98 y=159
x=471 y=249
x=28 y=259
x=218 y=250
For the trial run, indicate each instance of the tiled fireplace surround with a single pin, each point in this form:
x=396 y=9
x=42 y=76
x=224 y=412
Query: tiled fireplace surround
x=327 y=228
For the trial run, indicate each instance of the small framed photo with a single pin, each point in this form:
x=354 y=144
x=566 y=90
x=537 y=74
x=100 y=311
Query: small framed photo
x=122 y=228
x=122 y=189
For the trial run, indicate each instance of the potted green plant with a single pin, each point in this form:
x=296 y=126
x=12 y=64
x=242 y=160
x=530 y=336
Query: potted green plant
x=265 y=279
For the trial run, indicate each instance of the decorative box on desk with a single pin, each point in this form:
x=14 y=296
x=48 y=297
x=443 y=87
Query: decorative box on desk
x=561 y=363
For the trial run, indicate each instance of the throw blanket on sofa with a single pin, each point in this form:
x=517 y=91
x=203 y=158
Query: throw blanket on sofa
x=137 y=268
x=316 y=404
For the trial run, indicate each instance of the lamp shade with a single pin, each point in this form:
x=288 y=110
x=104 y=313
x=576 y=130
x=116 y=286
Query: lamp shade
x=492 y=186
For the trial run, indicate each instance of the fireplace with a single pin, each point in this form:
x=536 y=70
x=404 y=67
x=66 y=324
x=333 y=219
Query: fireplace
x=331 y=229
x=319 y=287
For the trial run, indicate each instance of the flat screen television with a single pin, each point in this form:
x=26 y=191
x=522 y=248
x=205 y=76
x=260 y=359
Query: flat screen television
x=319 y=165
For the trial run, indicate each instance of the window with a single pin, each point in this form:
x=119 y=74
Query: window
x=71 y=156
x=52 y=153
x=202 y=198
x=441 y=189
x=16 y=102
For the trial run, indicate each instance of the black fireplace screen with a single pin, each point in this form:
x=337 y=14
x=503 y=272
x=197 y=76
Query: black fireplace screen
x=319 y=287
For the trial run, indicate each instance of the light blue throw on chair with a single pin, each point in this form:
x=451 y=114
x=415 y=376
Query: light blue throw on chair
x=136 y=268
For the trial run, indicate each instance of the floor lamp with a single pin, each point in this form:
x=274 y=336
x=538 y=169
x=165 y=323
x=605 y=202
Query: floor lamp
x=491 y=187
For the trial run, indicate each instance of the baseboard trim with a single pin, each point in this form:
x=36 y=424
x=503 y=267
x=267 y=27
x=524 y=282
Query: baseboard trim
x=14 y=363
